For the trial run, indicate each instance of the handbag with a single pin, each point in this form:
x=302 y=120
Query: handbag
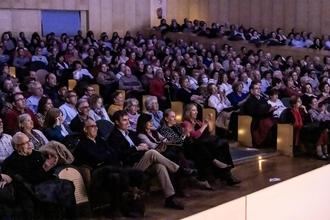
x=161 y=148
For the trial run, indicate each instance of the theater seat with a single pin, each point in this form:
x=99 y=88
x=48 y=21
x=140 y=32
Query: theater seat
x=244 y=132
x=210 y=115
x=285 y=139
x=72 y=84
x=80 y=193
x=177 y=107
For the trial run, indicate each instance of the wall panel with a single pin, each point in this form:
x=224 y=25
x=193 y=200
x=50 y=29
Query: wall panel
x=309 y=15
x=314 y=21
x=102 y=15
x=325 y=18
x=255 y=14
x=223 y=11
x=278 y=14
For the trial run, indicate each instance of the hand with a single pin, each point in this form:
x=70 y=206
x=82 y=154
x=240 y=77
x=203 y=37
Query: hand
x=5 y=180
x=58 y=121
x=142 y=147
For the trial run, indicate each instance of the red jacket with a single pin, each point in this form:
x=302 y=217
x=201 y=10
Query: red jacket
x=156 y=87
x=10 y=120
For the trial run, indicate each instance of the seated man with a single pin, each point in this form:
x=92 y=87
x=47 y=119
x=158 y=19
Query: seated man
x=109 y=180
x=29 y=166
x=19 y=107
x=140 y=157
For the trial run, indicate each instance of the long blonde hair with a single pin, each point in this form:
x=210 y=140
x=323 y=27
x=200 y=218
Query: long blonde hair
x=187 y=111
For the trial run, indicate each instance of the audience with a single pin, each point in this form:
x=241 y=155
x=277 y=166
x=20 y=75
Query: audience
x=154 y=71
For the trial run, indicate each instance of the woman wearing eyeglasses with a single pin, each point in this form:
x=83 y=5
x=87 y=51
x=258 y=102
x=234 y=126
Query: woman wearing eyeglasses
x=25 y=125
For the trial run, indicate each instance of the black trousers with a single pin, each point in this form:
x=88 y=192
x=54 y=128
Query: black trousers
x=109 y=182
x=204 y=151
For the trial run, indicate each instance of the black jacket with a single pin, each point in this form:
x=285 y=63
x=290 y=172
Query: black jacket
x=127 y=154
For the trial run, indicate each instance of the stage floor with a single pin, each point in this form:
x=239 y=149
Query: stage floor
x=255 y=175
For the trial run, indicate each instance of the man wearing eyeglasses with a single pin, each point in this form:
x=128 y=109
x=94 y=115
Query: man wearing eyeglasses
x=69 y=107
x=19 y=107
x=108 y=177
x=77 y=123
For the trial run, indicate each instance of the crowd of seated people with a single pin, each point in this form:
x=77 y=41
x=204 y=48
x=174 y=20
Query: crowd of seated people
x=142 y=137
x=235 y=32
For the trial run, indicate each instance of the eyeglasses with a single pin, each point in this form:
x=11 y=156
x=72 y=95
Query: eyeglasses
x=20 y=99
x=24 y=143
x=84 y=107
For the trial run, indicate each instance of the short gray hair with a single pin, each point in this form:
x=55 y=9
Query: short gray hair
x=21 y=119
x=148 y=102
x=16 y=137
x=129 y=102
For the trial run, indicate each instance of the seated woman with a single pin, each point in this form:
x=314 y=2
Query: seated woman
x=154 y=140
x=221 y=104
x=54 y=127
x=276 y=103
x=291 y=89
x=97 y=110
x=308 y=94
x=131 y=106
x=208 y=152
x=187 y=95
x=36 y=171
x=117 y=104
x=45 y=103
x=319 y=114
x=25 y=124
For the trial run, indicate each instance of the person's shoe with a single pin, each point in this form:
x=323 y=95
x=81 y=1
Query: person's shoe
x=205 y=185
x=231 y=181
x=322 y=157
x=187 y=172
x=172 y=203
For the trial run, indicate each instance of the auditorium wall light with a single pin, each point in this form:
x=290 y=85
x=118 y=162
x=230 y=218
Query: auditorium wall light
x=241 y=131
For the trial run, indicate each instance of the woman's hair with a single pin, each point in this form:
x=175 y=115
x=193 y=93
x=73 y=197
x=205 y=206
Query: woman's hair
x=51 y=116
x=21 y=119
x=304 y=88
x=93 y=100
x=187 y=111
x=142 y=123
x=148 y=102
x=322 y=86
x=42 y=104
x=129 y=102
x=236 y=85
x=293 y=100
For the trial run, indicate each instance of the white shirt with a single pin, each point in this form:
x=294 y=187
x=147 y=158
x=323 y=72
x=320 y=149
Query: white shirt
x=193 y=84
x=216 y=102
x=5 y=147
x=69 y=112
x=226 y=87
x=78 y=74
x=279 y=107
